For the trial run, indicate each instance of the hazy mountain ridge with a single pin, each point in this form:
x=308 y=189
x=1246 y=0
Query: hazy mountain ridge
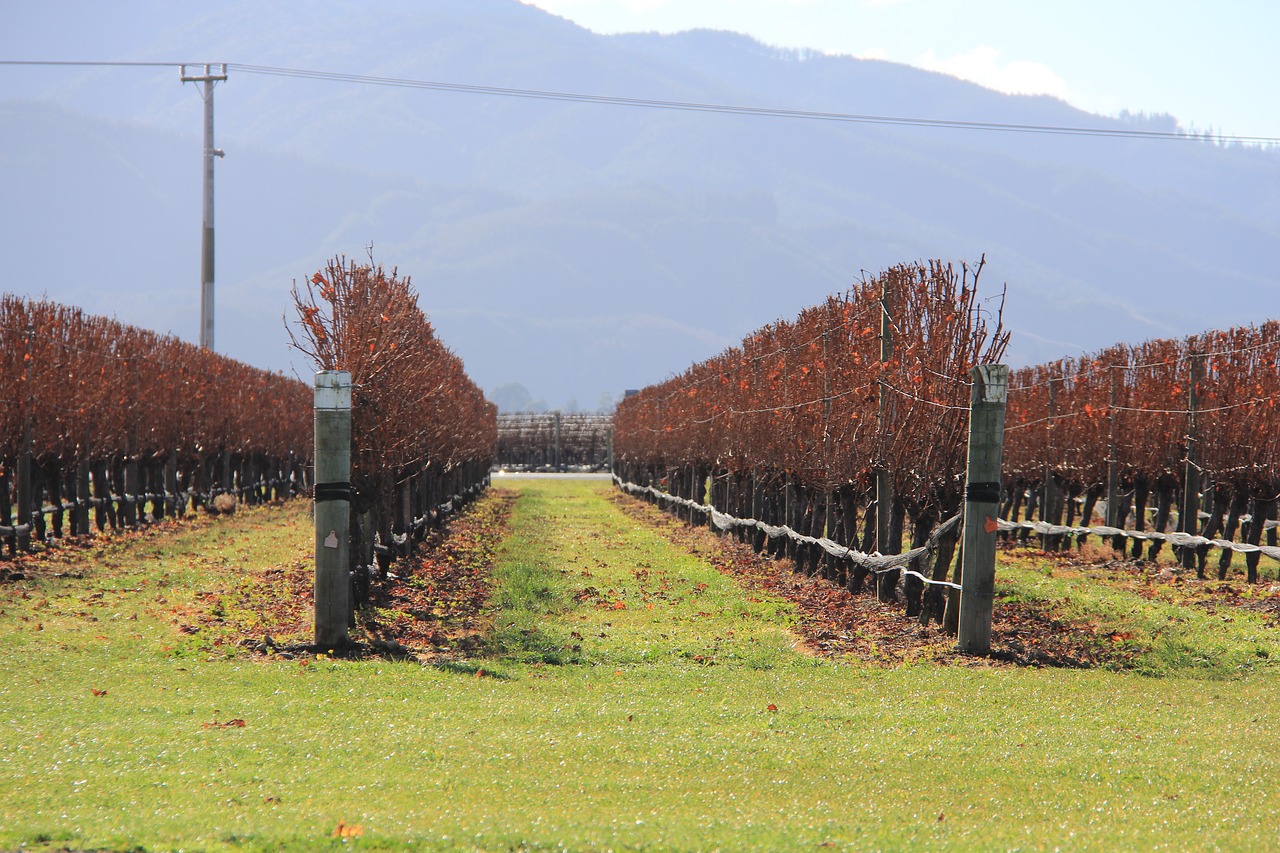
x=578 y=249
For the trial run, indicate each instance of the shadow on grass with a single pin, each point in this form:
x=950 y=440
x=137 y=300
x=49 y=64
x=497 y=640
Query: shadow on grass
x=475 y=670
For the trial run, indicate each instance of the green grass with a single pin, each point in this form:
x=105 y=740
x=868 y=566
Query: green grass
x=1158 y=626
x=593 y=727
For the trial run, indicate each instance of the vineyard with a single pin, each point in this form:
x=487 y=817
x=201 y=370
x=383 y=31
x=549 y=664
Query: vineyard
x=828 y=437
x=837 y=438
x=105 y=425
x=810 y=424
x=554 y=441
x=1187 y=428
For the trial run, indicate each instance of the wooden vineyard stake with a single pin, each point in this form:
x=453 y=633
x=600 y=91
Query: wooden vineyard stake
x=982 y=502
x=333 y=507
x=886 y=582
x=1114 y=518
x=1189 y=512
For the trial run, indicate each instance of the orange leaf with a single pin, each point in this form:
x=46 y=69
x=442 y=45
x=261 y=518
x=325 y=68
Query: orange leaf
x=772 y=707
x=96 y=692
x=343 y=830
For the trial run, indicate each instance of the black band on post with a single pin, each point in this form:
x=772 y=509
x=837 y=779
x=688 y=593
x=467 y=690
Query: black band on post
x=982 y=493
x=333 y=492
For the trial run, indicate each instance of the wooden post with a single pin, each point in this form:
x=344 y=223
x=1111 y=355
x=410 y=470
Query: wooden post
x=711 y=498
x=131 y=494
x=82 y=493
x=557 y=463
x=333 y=506
x=1113 y=472
x=790 y=514
x=886 y=582
x=1189 y=512
x=1048 y=541
x=982 y=500
x=171 y=501
x=24 y=489
x=23 y=485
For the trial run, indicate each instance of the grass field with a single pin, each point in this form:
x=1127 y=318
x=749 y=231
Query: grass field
x=630 y=697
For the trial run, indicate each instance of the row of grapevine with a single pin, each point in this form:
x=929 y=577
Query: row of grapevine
x=792 y=427
x=98 y=419
x=423 y=435
x=1149 y=420
x=554 y=441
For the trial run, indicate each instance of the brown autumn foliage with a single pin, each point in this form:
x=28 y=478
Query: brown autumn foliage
x=802 y=397
x=1065 y=417
x=414 y=408
x=92 y=390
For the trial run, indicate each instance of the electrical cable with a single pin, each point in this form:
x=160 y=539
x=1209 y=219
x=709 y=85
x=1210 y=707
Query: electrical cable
x=683 y=106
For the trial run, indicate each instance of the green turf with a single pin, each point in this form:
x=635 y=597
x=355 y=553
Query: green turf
x=594 y=726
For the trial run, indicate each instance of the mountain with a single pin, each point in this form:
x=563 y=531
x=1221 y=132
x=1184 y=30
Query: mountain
x=579 y=249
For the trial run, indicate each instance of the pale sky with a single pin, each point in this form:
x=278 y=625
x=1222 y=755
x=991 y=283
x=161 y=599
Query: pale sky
x=1214 y=64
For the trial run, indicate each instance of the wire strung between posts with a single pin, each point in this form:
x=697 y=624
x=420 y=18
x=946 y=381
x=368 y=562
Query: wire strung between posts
x=1177 y=539
x=919 y=399
x=879 y=564
x=876 y=563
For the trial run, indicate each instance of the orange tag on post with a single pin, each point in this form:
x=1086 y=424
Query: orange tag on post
x=991 y=525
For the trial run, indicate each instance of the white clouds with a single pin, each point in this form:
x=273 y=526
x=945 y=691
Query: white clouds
x=983 y=65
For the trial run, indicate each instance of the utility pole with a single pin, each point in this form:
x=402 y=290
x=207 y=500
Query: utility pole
x=208 y=78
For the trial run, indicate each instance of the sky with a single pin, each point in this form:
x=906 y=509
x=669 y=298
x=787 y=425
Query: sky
x=1212 y=64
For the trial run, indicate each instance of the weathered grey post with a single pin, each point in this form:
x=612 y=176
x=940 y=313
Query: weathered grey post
x=1113 y=475
x=556 y=462
x=171 y=484
x=82 y=492
x=25 y=498
x=333 y=506
x=1048 y=487
x=1189 y=512
x=886 y=582
x=982 y=501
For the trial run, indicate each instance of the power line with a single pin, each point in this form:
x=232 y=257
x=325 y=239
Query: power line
x=731 y=109
x=94 y=63
x=690 y=106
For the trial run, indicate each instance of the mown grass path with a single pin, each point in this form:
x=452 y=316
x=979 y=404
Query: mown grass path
x=633 y=698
